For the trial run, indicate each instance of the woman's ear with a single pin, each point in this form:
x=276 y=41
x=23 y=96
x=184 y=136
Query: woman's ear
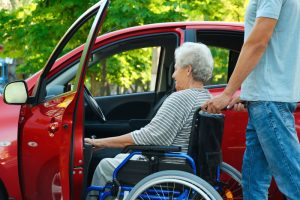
x=189 y=69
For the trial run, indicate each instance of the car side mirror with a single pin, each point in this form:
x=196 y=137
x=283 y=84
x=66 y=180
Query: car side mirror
x=16 y=93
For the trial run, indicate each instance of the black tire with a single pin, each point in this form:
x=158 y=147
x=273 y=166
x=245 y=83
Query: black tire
x=3 y=195
x=231 y=182
x=173 y=183
x=3 y=192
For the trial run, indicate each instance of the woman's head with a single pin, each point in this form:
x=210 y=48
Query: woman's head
x=193 y=64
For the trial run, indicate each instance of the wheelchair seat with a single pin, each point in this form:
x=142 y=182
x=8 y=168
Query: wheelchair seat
x=152 y=161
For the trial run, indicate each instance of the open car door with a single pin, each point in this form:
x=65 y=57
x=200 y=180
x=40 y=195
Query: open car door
x=51 y=127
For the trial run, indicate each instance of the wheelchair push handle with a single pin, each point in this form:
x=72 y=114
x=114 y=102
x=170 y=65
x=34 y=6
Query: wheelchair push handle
x=245 y=104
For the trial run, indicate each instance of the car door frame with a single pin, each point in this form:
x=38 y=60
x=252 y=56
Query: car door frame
x=77 y=181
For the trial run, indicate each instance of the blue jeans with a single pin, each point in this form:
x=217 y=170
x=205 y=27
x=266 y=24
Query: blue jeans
x=272 y=149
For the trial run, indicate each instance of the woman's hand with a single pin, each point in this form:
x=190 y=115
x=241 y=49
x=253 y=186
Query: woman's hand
x=89 y=141
x=111 y=142
x=97 y=143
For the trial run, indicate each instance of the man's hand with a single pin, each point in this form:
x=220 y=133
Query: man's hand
x=217 y=104
x=237 y=105
x=222 y=101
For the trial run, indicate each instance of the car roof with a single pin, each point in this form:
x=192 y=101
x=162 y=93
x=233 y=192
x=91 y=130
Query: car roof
x=235 y=26
x=210 y=25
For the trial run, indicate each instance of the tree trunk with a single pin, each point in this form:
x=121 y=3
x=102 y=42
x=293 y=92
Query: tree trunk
x=103 y=87
x=95 y=85
x=18 y=3
x=13 y=4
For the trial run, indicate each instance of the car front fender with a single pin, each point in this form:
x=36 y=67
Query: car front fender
x=9 y=174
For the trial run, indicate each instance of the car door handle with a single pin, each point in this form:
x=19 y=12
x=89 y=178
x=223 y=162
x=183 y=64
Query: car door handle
x=53 y=127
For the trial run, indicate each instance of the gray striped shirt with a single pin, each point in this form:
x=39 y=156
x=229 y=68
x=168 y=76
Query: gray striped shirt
x=173 y=122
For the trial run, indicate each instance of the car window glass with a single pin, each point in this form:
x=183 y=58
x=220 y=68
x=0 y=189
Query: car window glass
x=220 y=72
x=225 y=46
x=61 y=83
x=125 y=72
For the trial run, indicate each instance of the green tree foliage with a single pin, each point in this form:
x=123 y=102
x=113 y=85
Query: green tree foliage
x=127 y=71
x=30 y=33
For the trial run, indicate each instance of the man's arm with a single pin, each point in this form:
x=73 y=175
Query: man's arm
x=251 y=53
x=112 y=142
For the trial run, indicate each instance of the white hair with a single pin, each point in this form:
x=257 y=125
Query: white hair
x=198 y=56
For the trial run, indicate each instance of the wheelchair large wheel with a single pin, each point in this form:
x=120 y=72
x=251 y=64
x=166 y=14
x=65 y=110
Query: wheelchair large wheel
x=173 y=184
x=230 y=182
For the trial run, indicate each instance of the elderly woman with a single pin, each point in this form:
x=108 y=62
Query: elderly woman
x=173 y=121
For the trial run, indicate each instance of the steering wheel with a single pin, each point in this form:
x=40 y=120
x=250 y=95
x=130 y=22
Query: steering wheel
x=93 y=105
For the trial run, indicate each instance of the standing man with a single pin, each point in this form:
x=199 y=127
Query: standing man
x=268 y=72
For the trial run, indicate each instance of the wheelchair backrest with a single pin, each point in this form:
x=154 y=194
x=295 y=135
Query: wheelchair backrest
x=205 y=143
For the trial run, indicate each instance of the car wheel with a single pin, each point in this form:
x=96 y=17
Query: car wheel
x=3 y=195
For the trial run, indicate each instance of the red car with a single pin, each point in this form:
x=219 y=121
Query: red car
x=42 y=154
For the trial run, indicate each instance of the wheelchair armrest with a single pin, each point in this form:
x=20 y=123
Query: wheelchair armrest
x=151 y=148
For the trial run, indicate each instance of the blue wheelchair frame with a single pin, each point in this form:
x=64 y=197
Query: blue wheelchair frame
x=106 y=191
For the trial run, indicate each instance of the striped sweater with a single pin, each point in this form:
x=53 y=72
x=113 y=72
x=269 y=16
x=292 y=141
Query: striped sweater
x=173 y=122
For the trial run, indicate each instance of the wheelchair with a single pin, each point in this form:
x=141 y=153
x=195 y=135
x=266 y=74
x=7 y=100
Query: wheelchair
x=167 y=173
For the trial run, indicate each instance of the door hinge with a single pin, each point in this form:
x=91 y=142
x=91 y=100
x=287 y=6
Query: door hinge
x=77 y=170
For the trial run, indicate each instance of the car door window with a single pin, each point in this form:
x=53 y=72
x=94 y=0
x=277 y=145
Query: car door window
x=124 y=67
x=72 y=42
x=131 y=65
x=225 y=48
x=64 y=81
x=125 y=72
x=220 y=72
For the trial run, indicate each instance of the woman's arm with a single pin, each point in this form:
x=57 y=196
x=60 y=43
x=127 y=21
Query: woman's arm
x=112 y=142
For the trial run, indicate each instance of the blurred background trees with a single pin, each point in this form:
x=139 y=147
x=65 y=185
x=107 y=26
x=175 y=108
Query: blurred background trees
x=30 y=29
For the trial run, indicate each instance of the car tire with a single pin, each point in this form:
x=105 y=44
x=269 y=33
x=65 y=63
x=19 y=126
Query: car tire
x=3 y=194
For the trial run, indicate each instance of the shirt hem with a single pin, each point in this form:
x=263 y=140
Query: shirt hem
x=276 y=99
